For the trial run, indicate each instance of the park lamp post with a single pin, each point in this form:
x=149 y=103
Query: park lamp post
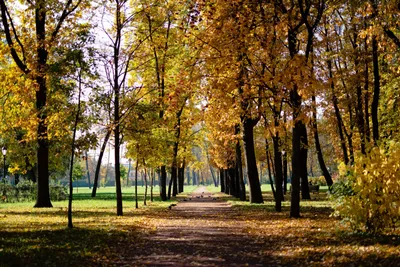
x=283 y=152
x=4 y=152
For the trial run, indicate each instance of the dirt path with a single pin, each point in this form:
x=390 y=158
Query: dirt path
x=200 y=231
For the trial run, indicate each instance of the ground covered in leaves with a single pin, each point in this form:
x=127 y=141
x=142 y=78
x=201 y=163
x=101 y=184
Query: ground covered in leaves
x=203 y=229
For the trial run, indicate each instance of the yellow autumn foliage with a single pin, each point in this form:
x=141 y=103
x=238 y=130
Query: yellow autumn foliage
x=374 y=205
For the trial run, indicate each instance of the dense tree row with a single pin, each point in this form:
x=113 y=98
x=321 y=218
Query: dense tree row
x=247 y=81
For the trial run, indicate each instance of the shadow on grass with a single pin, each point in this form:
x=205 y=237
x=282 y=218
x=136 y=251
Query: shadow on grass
x=65 y=247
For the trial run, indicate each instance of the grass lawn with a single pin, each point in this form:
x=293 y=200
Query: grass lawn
x=40 y=237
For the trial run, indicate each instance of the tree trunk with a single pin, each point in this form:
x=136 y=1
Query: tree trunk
x=194 y=177
x=232 y=179
x=278 y=172
x=296 y=155
x=129 y=171
x=87 y=169
x=71 y=168
x=98 y=166
x=239 y=168
x=366 y=94
x=213 y=176
x=43 y=193
x=170 y=183
x=375 y=99
x=271 y=181
x=151 y=184
x=321 y=161
x=251 y=164
x=136 y=178
x=181 y=177
x=222 y=179
x=285 y=173
x=145 y=187
x=337 y=114
x=174 y=174
x=305 y=191
x=163 y=183
x=227 y=182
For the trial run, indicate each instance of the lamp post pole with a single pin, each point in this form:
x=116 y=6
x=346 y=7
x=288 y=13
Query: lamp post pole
x=4 y=152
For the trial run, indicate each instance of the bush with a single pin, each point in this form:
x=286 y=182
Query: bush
x=27 y=190
x=317 y=180
x=368 y=193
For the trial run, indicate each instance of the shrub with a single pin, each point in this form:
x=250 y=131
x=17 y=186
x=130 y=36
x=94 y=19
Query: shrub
x=317 y=180
x=27 y=190
x=368 y=194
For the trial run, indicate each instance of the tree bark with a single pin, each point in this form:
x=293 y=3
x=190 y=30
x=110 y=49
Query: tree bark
x=366 y=95
x=136 y=179
x=233 y=184
x=305 y=191
x=98 y=166
x=227 y=182
x=152 y=174
x=251 y=164
x=145 y=187
x=181 y=177
x=296 y=155
x=171 y=180
x=43 y=195
x=70 y=197
x=239 y=168
x=321 y=161
x=375 y=99
x=222 y=179
x=87 y=169
x=163 y=183
x=269 y=168
x=278 y=172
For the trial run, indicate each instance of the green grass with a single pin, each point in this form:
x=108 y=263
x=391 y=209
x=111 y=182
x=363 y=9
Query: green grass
x=40 y=237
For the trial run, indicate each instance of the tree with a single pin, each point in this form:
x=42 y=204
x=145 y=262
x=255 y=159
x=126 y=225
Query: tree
x=36 y=64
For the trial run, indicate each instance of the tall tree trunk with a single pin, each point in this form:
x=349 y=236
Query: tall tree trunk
x=71 y=168
x=163 y=183
x=278 y=172
x=285 y=172
x=251 y=164
x=239 y=168
x=375 y=99
x=98 y=166
x=366 y=94
x=136 y=179
x=232 y=179
x=43 y=193
x=222 y=179
x=194 y=177
x=87 y=169
x=321 y=161
x=145 y=182
x=129 y=171
x=227 y=182
x=338 y=118
x=181 y=177
x=296 y=154
x=116 y=85
x=271 y=181
x=213 y=176
x=152 y=185
x=305 y=191
x=171 y=180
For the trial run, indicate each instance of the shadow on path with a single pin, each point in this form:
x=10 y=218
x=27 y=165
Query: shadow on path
x=202 y=234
